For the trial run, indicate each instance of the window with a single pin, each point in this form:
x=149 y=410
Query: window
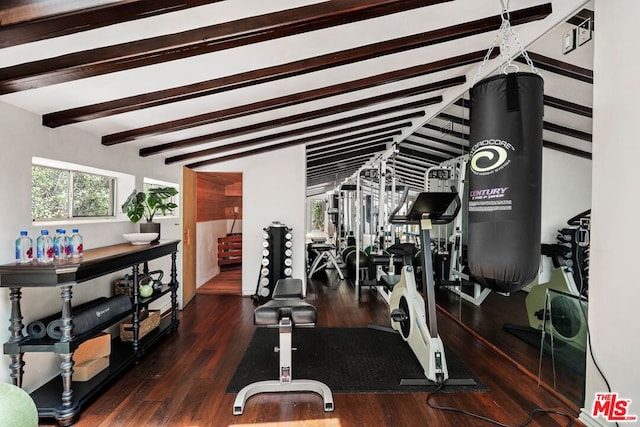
x=154 y=183
x=62 y=191
x=317 y=214
x=64 y=194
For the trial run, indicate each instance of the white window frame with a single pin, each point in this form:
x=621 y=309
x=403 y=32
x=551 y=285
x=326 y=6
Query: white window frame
x=122 y=181
x=151 y=181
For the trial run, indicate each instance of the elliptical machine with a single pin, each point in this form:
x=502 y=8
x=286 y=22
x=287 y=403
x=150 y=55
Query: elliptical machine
x=411 y=316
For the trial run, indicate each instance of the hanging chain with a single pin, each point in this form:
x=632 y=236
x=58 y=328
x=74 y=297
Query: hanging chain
x=504 y=32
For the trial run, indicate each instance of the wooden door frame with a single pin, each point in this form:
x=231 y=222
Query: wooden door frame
x=189 y=247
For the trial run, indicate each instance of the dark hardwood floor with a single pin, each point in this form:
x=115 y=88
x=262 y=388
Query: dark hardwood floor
x=487 y=322
x=182 y=380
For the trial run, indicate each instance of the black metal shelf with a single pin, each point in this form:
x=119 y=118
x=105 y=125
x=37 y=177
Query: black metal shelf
x=47 y=397
x=50 y=345
x=61 y=398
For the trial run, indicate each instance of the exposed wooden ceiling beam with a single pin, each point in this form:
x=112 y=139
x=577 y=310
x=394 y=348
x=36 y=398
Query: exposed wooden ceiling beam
x=429 y=149
x=551 y=127
x=455 y=146
x=240 y=155
x=347 y=120
x=346 y=143
x=421 y=155
x=458 y=134
x=337 y=173
x=565 y=149
x=31 y=20
x=357 y=158
x=256 y=141
x=412 y=180
x=559 y=67
x=412 y=168
x=330 y=182
x=373 y=147
x=331 y=146
x=280 y=102
x=427 y=143
x=564 y=130
x=241 y=80
x=268 y=138
x=547 y=144
x=198 y=41
x=353 y=163
x=550 y=101
x=411 y=161
x=341 y=167
x=453 y=119
x=568 y=106
x=283 y=121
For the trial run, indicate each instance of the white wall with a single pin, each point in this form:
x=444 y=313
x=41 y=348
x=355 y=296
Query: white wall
x=22 y=137
x=566 y=191
x=273 y=186
x=207 y=233
x=614 y=292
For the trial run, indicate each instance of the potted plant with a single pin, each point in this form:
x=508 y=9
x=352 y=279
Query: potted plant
x=141 y=205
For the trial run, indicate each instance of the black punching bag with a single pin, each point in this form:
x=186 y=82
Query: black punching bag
x=505 y=180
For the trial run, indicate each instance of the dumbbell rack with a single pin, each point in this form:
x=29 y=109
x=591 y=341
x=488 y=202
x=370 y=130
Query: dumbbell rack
x=276 y=258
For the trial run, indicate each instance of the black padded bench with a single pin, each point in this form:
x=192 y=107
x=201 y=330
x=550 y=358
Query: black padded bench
x=286 y=311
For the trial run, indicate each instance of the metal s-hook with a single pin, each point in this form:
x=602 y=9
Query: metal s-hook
x=505 y=10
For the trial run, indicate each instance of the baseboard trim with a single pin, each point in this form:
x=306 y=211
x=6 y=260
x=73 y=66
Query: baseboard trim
x=589 y=421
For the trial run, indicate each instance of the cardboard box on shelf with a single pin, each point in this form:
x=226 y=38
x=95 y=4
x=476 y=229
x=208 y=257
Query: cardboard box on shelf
x=94 y=348
x=89 y=369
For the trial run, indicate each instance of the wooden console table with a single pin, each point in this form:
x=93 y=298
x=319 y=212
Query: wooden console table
x=61 y=398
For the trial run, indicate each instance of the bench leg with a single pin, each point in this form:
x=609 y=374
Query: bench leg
x=275 y=386
x=285 y=383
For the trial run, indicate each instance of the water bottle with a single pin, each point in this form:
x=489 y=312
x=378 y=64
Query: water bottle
x=44 y=245
x=56 y=244
x=24 y=248
x=60 y=244
x=76 y=244
x=65 y=244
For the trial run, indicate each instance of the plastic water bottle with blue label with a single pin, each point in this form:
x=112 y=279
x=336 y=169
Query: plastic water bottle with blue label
x=24 y=248
x=77 y=248
x=56 y=244
x=44 y=248
x=65 y=245
x=60 y=245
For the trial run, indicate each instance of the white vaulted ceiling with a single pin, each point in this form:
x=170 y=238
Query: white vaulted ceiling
x=201 y=81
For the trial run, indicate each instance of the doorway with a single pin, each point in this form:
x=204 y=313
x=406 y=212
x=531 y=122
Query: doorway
x=219 y=232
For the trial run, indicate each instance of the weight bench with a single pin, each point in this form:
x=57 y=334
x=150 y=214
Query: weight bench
x=285 y=311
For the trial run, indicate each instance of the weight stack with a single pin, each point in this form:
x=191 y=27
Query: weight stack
x=276 y=258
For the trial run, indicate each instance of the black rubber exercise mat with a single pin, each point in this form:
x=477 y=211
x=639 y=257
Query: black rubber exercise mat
x=348 y=360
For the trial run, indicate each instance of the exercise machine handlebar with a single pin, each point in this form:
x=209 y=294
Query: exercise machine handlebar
x=403 y=200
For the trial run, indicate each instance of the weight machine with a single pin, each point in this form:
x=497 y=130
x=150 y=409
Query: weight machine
x=374 y=177
x=451 y=238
